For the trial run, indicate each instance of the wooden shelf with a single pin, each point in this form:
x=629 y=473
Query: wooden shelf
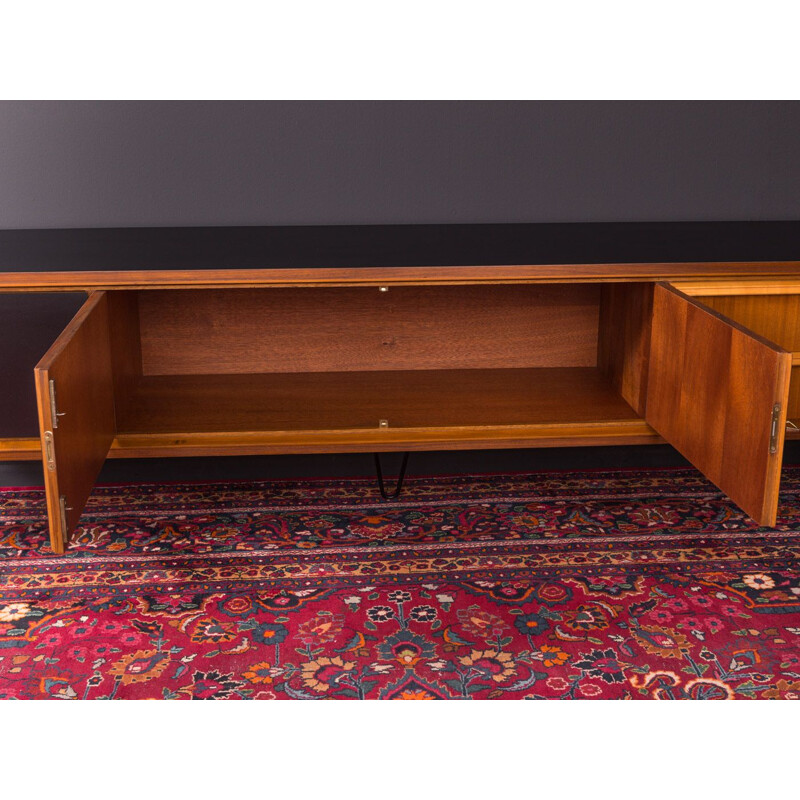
x=348 y=401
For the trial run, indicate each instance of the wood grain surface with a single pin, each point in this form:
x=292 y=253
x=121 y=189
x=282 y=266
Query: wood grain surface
x=711 y=392
x=768 y=285
x=340 y=329
x=626 y=311
x=359 y=400
x=77 y=280
x=775 y=317
x=79 y=362
x=126 y=346
x=378 y=440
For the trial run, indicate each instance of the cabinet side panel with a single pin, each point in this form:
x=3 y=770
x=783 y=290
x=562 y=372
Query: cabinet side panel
x=623 y=348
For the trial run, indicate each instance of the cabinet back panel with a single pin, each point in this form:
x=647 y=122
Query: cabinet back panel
x=206 y=331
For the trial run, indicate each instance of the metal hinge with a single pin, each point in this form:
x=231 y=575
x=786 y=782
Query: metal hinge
x=53 y=409
x=773 y=432
x=49 y=450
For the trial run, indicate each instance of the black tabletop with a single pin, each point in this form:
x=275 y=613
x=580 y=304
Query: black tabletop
x=395 y=245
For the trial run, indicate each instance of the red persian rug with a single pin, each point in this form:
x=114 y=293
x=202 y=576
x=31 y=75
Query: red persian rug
x=618 y=584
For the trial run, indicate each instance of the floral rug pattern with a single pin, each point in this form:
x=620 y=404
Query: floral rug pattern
x=614 y=584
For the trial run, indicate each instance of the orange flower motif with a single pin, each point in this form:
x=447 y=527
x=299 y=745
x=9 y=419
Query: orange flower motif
x=259 y=673
x=782 y=689
x=407 y=656
x=553 y=656
x=662 y=642
x=377 y=528
x=415 y=694
x=141 y=666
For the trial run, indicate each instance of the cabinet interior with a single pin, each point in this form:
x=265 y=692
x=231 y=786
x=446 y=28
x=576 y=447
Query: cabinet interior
x=776 y=317
x=240 y=371
x=339 y=358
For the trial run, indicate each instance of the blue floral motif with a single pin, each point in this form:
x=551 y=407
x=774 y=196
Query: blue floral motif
x=531 y=624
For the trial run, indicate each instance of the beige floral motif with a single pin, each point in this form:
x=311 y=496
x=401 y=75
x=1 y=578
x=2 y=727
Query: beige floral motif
x=758 y=581
x=500 y=664
x=321 y=672
x=782 y=689
x=481 y=623
x=445 y=598
x=352 y=600
x=14 y=611
x=321 y=628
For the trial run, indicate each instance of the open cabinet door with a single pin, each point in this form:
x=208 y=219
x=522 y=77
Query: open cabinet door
x=718 y=393
x=75 y=394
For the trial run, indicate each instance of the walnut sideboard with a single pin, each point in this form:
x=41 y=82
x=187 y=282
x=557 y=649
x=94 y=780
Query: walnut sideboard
x=705 y=356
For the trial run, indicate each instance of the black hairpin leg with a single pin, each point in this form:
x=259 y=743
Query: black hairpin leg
x=400 y=477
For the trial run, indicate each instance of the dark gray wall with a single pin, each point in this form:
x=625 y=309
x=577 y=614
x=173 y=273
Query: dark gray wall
x=87 y=164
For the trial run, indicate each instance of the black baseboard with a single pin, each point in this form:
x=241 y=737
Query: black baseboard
x=27 y=473
x=354 y=464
